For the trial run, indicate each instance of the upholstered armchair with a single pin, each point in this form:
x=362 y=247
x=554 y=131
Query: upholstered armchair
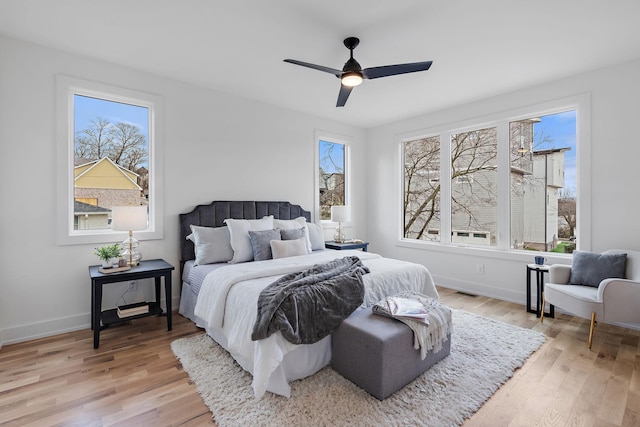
x=601 y=287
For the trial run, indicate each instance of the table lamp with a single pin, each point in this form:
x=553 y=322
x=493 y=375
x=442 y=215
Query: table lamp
x=129 y=218
x=340 y=214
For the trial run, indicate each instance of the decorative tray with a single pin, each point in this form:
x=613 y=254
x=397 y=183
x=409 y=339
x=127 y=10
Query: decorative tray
x=113 y=270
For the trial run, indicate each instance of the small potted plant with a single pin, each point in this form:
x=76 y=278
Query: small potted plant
x=109 y=254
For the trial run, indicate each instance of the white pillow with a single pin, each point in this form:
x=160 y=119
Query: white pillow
x=316 y=236
x=288 y=224
x=287 y=248
x=211 y=244
x=240 y=241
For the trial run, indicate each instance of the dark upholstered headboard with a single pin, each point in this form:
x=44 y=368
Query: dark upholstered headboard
x=214 y=214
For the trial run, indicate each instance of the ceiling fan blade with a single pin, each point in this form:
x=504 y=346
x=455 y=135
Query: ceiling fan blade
x=392 y=70
x=343 y=95
x=333 y=71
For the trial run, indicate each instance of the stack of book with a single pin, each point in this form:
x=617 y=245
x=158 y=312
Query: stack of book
x=133 y=309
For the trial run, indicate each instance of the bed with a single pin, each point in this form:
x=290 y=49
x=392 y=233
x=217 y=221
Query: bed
x=220 y=293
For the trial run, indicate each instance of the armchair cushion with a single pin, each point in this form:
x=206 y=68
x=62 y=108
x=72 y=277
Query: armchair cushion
x=589 y=269
x=559 y=273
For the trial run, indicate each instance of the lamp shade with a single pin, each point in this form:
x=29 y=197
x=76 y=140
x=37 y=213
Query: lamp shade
x=340 y=213
x=128 y=218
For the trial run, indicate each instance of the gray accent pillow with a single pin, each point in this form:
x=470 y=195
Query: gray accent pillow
x=589 y=269
x=292 y=234
x=261 y=243
x=211 y=244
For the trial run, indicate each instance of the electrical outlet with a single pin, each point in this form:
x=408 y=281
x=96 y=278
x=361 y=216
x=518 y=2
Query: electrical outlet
x=479 y=268
x=133 y=285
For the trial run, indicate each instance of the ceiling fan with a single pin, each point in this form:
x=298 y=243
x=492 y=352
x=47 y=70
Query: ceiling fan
x=352 y=73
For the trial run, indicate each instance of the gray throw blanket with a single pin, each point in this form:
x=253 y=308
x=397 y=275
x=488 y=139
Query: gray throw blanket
x=307 y=306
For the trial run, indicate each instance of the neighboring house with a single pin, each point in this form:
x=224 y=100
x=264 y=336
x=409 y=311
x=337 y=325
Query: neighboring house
x=90 y=217
x=541 y=217
x=104 y=184
x=536 y=179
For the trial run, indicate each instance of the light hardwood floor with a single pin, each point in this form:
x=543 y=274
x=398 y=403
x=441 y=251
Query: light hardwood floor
x=133 y=379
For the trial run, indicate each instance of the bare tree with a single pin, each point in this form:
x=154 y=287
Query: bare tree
x=421 y=185
x=95 y=141
x=332 y=184
x=127 y=147
x=473 y=166
x=473 y=159
x=567 y=210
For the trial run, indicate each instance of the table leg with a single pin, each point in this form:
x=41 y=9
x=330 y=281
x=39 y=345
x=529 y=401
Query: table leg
x=96 y=313
x=540 y=287
x=529 y=309
x=167 y=298
x=157 y=289
x=93 y=302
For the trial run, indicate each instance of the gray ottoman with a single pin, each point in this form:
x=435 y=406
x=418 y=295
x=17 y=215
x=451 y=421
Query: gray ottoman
x=377 y=354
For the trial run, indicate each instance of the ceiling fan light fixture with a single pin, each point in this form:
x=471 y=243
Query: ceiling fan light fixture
x=351 y=79
x=352 y=73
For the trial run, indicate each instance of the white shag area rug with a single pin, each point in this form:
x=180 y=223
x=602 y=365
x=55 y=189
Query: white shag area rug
x=484 y=355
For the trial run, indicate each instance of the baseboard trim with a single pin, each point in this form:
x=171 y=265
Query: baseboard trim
x=47 y=328
x=515 y=296
x=51 y=327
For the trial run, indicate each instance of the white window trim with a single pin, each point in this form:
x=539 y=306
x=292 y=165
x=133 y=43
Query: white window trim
x=581 y=103
x=339 y=139
x=66 y=88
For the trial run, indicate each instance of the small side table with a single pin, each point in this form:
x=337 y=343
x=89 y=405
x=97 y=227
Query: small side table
x=540 y=270
x=344 y=246
x=156 y=268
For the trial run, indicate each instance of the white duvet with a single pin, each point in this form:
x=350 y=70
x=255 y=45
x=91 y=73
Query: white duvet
x=227 y=306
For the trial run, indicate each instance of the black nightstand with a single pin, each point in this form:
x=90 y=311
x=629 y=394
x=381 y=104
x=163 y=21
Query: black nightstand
x=345 y=246
x=156 y=268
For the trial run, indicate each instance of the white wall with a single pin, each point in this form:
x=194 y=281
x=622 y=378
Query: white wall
x=216 y=147
x=614 y=173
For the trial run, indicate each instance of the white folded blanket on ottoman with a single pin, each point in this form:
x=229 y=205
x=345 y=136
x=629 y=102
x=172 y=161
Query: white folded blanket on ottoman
x=429 y=319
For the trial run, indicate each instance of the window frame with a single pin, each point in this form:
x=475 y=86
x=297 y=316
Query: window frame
x=66 y=88
x=581 y=103
x=337 y=139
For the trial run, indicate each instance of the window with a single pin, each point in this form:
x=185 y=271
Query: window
x=543 y=182
x=422 y=189
x=108 y=151
x=332 y=175
x=510 y=184
x=474 y=185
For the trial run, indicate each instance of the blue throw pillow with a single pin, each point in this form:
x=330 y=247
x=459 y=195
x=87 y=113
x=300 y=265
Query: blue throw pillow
x=589 y=269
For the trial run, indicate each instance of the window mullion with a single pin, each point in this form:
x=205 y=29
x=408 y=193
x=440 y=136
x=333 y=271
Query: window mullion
x=445 y=188
x=504 y=174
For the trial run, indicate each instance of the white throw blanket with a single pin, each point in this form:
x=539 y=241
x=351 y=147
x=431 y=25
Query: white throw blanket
x=227 y=306
x=433 y=327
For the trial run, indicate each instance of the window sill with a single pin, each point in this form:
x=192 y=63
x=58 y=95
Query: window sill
x=476 y=251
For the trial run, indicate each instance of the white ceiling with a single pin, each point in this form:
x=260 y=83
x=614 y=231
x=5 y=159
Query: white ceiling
x=479 y=48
